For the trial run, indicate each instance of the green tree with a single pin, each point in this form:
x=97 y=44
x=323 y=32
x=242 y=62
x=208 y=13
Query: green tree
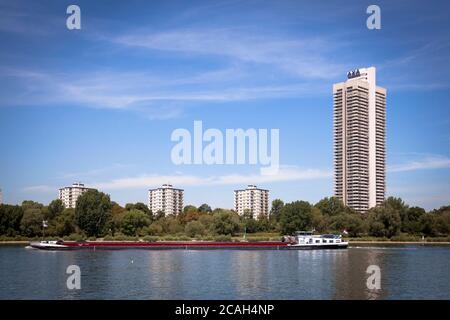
x=204 y=208
x=117 y=214
x=133 y=221
x=443 y=220
x=352 y=223
x=64 y=223
x=376 y=228
x=159 y=215
x=263 y=223
x=275 y=210
x=139 y=206
x=429 y=224
x=411 y=222
x=172 y=225
x=92 y=212
x=397 y=205
x=384 y=221
x=189 y=216
x=194 y=228
x=296 y=216
x=225 y=222
x=29 y=204
x=155 y=229
x=189 y=208
x=331 y=206
x=319 y=221
x=248 y=222
x=10 y=218
x=206 y=220
x=31 y=223
x=144 y=208
x=55 y=208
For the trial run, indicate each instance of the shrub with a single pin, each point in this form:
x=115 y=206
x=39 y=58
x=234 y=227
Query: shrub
x=406 y=237
x=122 y=237
x=170 y=238
x=155 y=229
x=151 y=238
x=223 y=237
x=74 y=237
x=438 y=239
x=258 y=238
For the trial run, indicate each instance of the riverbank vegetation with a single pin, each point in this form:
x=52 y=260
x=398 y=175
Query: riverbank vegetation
x=96 y=216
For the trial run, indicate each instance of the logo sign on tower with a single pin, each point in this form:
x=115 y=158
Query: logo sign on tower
x=353 y=74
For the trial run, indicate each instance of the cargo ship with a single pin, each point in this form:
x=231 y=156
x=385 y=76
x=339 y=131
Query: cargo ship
x=301 y=240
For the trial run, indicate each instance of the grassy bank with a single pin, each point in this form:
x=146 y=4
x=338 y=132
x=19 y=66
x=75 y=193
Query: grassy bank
x=398 y=239
x=261 y=236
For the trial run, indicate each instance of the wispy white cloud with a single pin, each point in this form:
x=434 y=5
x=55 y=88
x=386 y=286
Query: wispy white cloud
x=93 y=172
x=254 y=66
x=429 y=196
x=156 y=97
x=305 y=58
x=40 y=189
x=415 y=68
x=426 y=163
x=286 y=173
x=26 y=19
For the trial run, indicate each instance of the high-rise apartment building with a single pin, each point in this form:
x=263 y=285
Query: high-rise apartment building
x=360 y=140
x=167 y=199
x=253 y=199
x=69 y=195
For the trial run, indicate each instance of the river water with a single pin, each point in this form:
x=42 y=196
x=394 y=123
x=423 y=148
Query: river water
x=406 y=272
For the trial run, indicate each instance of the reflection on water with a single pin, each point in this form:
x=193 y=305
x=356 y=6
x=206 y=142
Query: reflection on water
x=407 y=272
x=351 y=277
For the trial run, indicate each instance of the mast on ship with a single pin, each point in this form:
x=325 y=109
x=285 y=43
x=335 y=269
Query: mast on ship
x=44 y=225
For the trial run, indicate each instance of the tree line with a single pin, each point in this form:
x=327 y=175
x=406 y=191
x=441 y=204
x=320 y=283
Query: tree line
x=96 y=215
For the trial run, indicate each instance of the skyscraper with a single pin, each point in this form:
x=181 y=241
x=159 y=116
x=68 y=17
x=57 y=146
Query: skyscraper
x=166 y=199
x=69 y=195
x=253 y=199
x=359 y=140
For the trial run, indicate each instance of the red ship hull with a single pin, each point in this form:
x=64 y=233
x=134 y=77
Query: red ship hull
x=184 y=245
x=175 y=245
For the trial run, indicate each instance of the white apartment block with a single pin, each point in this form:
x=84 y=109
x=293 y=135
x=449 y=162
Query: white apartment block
x=167 y=199
x=252 y=198
x=69 y=195
x=360 y=140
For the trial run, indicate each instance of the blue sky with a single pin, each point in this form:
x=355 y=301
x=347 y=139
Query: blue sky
x=98 y=105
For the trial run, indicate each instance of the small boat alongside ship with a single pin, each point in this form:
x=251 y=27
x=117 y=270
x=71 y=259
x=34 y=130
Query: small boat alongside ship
x=302 y=240
x=49 y=245
x=307 y=240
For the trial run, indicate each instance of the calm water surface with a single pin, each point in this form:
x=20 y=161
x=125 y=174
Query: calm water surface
x=407 y=272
